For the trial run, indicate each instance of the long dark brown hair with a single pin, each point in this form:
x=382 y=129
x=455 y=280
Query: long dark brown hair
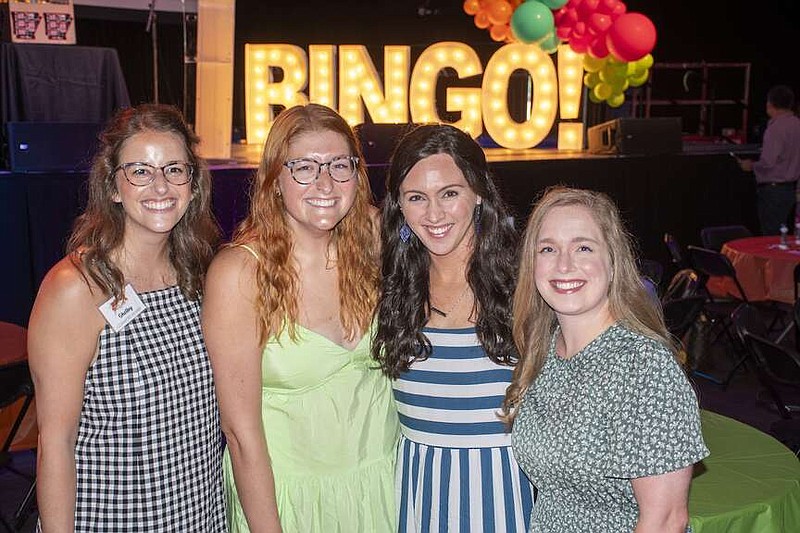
x=404 y=305
x=100 y=230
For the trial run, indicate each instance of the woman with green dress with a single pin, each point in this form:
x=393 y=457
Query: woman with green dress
x=310 y=423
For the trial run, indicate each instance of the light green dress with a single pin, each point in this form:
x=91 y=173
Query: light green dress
x=331 y=429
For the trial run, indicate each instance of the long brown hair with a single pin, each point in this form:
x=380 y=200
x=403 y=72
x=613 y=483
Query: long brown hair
x=534 y=320
x=265 y=230
x=101 y=228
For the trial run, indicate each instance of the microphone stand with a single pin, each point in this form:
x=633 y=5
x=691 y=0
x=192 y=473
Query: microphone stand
x=152 y=29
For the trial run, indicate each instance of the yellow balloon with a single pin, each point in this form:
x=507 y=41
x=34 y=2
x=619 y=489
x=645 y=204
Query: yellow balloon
x=645 y=62
x=590 y=79
x=616 y=99
x=593 y=64
x=638 y=81
x=602 y=91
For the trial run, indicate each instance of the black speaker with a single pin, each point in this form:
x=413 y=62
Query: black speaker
x=643 y=136
x=52 y=146
x=378 y=140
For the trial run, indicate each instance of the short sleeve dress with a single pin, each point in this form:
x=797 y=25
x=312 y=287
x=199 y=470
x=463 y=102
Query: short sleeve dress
x=149 y=448
x=621 y=408
x=331 y=429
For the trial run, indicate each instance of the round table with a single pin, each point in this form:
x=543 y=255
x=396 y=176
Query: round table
x=749 y=483
x=764 y=268
x=13 y=349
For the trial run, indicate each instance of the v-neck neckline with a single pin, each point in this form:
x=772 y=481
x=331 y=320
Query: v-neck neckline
x=333 y=343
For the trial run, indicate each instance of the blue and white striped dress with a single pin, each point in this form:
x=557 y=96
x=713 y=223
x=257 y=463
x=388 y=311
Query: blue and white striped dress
x=455 y=468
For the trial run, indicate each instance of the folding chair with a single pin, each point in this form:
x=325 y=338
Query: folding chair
x=777 y=367
x=676 y=251
x=681 y=315
x=710 y=263
x=684 y=283
x=713 y=237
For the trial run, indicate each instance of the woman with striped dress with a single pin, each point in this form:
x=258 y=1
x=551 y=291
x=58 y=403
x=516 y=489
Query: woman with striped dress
x=444 y=335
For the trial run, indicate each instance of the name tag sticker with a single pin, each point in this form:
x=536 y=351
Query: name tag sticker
x=121 y=315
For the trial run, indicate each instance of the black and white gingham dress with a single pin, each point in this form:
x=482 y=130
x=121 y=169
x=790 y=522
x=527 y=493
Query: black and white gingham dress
x=149 y=447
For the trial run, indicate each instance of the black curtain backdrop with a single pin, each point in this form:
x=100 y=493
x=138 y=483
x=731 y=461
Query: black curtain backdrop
x=763 y=34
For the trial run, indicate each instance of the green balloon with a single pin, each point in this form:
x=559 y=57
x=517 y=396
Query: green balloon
x=554 y=4
x=593 y=98
x=550 y=43
x=611 y=74
x=532 y=21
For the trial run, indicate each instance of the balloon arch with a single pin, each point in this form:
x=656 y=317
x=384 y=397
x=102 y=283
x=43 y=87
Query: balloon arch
x=616 y=43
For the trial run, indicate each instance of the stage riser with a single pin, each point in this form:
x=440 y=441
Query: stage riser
x=675 y=193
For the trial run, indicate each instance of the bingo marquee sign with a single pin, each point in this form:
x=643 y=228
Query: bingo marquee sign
x=344 y=77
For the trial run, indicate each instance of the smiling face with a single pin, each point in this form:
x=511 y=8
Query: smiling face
x=573 y=266
x=319 y=206
x=156 y=208
x=438 y=205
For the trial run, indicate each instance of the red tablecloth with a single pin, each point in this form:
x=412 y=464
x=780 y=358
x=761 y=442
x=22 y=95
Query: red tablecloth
x=764 y=268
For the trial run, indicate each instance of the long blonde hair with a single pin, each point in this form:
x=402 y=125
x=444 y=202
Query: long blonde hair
x=355 y=238
x=534 y=320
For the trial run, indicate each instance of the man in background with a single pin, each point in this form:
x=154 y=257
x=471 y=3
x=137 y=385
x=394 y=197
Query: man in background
x=778 y=167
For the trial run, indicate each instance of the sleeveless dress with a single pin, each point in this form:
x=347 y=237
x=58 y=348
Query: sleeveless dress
x=331 y=429
x=455 y=468
x=149 y=448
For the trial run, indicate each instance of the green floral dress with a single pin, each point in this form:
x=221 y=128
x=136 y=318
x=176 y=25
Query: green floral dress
x=619 y=409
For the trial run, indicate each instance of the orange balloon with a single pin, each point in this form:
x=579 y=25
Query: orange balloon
x=471 y=7
x=499 y=11
x=500 y=32
x=482 y=20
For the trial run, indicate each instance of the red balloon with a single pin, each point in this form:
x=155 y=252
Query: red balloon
x=599 y=23
x=598 y=48
x=564 y=32
x=570 y=17
x=607 y=6
x=587 y=8
x=579 y=45
x=631 y=37
x=619 y=9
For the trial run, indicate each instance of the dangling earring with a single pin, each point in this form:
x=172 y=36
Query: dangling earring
x=405 y=233
x=476 y=217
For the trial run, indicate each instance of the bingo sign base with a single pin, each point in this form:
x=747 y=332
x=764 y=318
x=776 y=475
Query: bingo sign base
x=42 y=22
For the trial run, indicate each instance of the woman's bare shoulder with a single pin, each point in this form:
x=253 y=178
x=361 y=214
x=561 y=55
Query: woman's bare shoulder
x=68 y=283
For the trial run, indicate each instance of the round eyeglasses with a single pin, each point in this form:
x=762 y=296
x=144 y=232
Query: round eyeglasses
x=142 y=174
x=305 y=171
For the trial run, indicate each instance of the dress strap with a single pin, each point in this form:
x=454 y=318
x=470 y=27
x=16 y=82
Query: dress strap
x=249 y=249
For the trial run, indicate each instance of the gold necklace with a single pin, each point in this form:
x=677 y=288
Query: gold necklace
x=453 y=306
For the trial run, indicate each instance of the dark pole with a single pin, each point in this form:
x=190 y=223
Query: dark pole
x=189 y=64
x=152 y=28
